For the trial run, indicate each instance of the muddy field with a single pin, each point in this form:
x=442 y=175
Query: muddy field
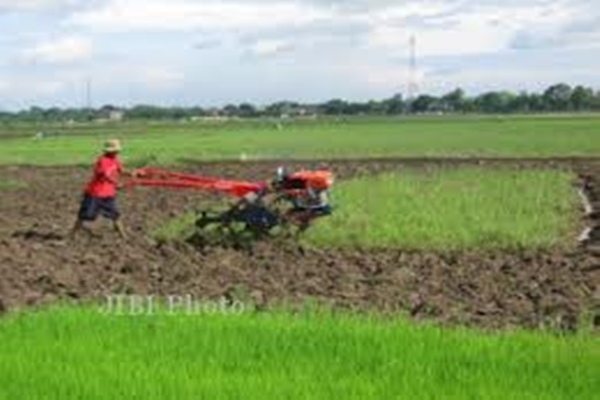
x=491 y=290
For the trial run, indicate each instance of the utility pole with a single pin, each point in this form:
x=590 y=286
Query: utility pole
x=88 y=93
x=88 y=112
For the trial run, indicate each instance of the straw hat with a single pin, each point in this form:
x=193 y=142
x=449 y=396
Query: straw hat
x=112 y=146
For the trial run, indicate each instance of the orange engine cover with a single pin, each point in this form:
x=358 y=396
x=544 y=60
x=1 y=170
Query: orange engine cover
x=318 y=180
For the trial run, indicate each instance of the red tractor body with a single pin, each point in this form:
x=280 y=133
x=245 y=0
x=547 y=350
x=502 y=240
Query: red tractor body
x=257 y=216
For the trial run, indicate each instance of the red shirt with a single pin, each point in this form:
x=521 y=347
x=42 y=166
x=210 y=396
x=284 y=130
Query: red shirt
x=104 y=181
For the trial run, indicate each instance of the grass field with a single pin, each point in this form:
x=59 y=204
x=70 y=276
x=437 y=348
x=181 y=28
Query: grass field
x=10 y=185
x=78 y=352
x=81 y=353
x=454 y=209
x=443 y=209
x=369 y=137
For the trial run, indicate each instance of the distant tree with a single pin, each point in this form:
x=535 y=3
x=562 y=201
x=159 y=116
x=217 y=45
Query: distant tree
x=197 y=112
x=558 y=97
x=35 y=114
x=376 y=107
x=536 y=102
x=247 y=110
x=596 y=101
x=520 y=103
x=146 y=112
x=178 y=113
x=454 y=101
x=424 y=103
x=273 y=110
x=335 y=107
x=52 y=114
x=395 y=105
x=356 y=108
x=281 y=108
x=582 y=98
x=230 y=110
x=495 y=102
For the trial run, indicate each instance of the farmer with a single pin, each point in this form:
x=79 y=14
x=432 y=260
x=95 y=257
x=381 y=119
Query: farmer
x=100 y=194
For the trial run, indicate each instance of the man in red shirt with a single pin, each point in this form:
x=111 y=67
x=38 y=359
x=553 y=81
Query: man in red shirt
x=100 y=194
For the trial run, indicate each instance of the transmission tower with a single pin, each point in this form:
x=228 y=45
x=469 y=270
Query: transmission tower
x=413 y=85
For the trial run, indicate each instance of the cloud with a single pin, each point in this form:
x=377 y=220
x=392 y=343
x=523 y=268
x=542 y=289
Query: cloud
x=270 y=47
x=443 y=27
x=125 y=76
x=34 y=5
x=393 y=78
x=158 y=78
x=45 y=87
x=336 y=32
x=65 y=50
x=450 y=29
x=207 y=43
x=178 y=15
x=110 y=84
x=24 y=86
x=579 y=33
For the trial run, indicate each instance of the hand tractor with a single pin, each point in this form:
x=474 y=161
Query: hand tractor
x=291 y=201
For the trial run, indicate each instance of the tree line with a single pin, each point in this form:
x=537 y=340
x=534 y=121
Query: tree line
x=556 y=98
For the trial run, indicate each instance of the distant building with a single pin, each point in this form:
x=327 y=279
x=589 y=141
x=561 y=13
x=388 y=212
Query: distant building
x=210 y=118
x=116 y=115
x=110 y=113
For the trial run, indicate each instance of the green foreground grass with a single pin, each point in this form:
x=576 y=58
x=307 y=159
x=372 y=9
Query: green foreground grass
x=81 y=353
x=443 y=209
x=160 y=143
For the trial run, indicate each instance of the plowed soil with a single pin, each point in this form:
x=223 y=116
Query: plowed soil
x=38 y=265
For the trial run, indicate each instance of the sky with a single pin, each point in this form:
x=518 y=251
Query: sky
x=211 y=53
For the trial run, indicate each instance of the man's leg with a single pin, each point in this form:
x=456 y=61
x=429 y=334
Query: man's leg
x=111 y=211
x=76 y=228
x=88 y=211
x=119 y=228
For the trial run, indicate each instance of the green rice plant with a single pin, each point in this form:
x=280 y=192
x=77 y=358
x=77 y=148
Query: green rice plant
x=176 y=228
x=11 y=185
x=68 y=352
x=449 y=209
x=169 y=143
